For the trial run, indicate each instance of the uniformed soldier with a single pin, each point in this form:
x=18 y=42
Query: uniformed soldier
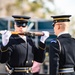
x=62 y=49
x=19 y=51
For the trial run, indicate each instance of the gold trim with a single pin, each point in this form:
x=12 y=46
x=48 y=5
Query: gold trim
x=42 y=48
x=25 y=70
x=20 y=70
x=21 y=19
x=4 y=50
x=60 y=18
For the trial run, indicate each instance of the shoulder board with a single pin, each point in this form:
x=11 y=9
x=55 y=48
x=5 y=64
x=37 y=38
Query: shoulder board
x=53 y=41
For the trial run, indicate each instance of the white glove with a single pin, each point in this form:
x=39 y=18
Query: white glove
x=5 y=37
x=44 y=37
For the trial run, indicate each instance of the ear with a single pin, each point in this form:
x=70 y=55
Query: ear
x=58 y=26
x=14 y=25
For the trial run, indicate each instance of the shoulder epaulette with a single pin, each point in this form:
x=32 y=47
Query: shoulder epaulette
x=53 y=41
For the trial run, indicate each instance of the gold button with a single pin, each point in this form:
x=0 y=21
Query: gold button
x=26 y=61
x=27 y=71
x=32 y=61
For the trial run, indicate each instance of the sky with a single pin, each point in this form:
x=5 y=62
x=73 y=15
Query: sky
x=67 y=6
x=64 y=6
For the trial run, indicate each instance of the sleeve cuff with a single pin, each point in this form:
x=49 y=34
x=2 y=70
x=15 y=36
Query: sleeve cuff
x=3 y=48
x=42 y=46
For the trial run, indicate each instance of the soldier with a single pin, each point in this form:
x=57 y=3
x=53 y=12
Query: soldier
x=62 y=49
x=19 y=51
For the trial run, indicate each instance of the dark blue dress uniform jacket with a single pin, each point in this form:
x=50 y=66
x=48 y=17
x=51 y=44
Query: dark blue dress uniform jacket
x=63 y=55
x=18 y=53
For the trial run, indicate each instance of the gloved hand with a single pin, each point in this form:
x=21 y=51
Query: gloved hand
x=44 y=37
x=5 y=37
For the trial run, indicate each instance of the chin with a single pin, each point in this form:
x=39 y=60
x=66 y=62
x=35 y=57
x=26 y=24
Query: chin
x=24 y=29
x=21 y=31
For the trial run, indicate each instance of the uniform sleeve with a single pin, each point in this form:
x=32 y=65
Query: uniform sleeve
x=6 y=50
x=5 y=54
x=54 y=57
x=39 y=53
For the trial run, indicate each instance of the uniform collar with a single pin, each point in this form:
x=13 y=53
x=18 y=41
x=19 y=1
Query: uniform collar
x=23 y=37
x=65 y=32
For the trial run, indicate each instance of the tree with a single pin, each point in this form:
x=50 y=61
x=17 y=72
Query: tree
x=25 y=7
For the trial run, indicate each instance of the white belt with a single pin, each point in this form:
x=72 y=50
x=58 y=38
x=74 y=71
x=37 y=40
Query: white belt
x=66 y=70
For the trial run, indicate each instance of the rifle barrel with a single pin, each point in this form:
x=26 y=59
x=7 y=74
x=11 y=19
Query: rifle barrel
x=27 y=33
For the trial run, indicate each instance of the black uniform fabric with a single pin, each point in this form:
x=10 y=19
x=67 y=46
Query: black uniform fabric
x=17 y=52
x=37 y=73
x=63 y=55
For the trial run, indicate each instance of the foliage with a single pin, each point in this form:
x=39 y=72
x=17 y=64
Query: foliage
x=23 y=7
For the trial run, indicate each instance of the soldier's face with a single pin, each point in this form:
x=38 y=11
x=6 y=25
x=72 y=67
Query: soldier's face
x=20 y=29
